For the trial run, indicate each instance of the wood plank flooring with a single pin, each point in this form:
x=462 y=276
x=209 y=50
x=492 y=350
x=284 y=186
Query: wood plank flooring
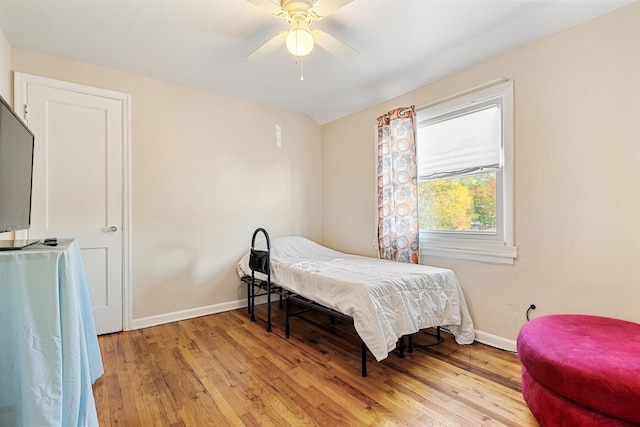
x=223 y=370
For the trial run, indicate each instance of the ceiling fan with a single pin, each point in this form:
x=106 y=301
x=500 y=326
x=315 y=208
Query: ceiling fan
x=300 y=39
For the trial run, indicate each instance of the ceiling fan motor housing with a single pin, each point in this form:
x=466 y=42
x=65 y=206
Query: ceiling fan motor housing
x=296 y=6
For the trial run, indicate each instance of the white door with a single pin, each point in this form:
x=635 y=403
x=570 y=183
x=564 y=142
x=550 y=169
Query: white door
x=78 y=181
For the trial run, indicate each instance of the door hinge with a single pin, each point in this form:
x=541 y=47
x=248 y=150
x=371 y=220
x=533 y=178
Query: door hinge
x=26 y=112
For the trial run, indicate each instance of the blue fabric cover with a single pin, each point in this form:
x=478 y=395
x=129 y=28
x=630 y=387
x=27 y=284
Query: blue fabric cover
x=49 y=353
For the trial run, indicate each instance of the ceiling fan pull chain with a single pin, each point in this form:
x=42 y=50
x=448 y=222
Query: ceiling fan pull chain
x=301 y=70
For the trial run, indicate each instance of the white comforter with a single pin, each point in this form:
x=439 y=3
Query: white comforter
x=386 y=299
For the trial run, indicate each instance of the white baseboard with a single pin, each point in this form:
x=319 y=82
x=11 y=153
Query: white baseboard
x=495 y=341
x=146 y=322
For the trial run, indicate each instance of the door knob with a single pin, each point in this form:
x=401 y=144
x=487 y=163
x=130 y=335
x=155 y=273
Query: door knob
x=112 y=229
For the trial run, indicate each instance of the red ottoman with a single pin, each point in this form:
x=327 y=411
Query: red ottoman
x=581 y=370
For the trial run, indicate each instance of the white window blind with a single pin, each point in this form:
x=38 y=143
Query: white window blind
x=456 y=145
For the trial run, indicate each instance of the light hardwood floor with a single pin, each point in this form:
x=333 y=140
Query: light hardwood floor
x=223 y=370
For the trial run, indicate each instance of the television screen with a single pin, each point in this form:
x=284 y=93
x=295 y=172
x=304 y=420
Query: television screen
x=16 y=170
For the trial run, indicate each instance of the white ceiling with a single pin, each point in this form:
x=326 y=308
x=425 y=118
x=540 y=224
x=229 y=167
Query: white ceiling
x=402 y=44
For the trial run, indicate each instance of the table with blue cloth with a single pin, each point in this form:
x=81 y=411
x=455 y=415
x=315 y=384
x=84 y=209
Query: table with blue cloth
x=49 y=353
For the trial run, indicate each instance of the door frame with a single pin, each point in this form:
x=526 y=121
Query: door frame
x=20 y=87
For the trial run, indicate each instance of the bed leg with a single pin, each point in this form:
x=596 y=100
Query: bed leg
x=401 y=347
x=364 y=360
x=410 y=343
x=252 y=298
x=268 y=304
x=438 y=332
x=286 y=325
x=248 y=297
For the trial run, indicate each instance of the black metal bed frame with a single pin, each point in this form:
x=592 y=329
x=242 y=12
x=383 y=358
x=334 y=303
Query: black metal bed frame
x=333 y=314
x=265 y=287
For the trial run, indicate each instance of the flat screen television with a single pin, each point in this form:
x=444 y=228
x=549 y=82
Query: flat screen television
x=16 y=175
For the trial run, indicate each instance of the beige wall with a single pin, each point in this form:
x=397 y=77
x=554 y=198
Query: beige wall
x=5 y=68
x=577 y=147
x=205 y=172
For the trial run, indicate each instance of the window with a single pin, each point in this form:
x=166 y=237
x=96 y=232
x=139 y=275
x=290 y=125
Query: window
x=465 y=176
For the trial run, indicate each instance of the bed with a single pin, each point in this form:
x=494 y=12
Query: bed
x=385 y=299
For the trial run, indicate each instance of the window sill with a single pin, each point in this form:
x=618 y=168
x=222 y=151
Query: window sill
x=490 y=253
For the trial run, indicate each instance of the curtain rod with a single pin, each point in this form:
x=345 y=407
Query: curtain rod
x=464 y=92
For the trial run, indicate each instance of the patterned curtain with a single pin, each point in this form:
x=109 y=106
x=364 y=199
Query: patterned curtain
x=398 y=227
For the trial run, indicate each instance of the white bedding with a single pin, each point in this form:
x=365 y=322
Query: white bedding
x=386 y=299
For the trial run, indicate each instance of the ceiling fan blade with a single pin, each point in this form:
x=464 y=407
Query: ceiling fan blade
x=269 y=46
x=322 y=8
x=273 y=7
x=333 y=45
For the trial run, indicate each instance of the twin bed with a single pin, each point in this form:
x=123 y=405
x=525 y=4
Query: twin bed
x=387 y=300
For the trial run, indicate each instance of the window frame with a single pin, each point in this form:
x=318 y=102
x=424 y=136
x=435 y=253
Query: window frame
x=470 y=245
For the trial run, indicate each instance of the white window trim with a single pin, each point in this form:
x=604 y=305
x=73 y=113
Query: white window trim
x=478 y=247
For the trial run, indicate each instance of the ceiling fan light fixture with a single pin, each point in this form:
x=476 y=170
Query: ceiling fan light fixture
x=299 y=39
x=299 y=42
